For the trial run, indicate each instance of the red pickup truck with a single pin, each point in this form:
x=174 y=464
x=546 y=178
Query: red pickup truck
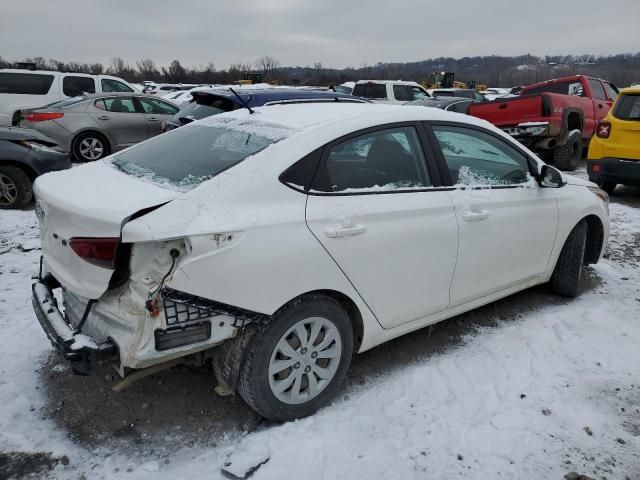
x=554 y=117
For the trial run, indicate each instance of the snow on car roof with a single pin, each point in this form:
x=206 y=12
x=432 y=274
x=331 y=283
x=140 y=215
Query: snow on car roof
x=298 y=117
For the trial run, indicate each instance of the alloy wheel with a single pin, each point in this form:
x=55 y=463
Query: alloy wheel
x=305 y=360
x=91 y=148
x=8 y=191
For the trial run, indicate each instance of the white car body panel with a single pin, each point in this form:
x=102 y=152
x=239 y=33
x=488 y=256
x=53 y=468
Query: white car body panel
x=416 y=280
x=489 y=262
x=247 y=240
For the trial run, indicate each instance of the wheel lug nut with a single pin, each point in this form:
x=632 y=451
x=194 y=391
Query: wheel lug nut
x=307 y=369
x=314 y=354
x=297 y=365
x=303 y=351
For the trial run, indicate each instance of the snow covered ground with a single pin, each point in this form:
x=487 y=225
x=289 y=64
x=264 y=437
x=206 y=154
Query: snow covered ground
x=532 y=387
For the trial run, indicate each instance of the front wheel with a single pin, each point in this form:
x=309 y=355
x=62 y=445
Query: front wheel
x=566 y=276
x=15 y=187
x=295 y=362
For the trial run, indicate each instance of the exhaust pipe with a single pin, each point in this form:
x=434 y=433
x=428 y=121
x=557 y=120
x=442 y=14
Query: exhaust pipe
x=546 y=143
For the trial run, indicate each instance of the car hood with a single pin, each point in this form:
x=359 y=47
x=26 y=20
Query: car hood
x=16 y=134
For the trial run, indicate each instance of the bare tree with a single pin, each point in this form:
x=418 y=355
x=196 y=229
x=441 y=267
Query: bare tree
x=268 y=66
x=117 y=66
x=148 y=69
x=175 y=72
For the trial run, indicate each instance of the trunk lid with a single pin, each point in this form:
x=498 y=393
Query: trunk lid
x=94 y=201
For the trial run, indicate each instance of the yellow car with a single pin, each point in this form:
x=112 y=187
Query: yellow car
x=614 y=151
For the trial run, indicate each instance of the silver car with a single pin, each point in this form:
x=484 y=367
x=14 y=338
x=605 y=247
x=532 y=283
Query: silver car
x=93 y=126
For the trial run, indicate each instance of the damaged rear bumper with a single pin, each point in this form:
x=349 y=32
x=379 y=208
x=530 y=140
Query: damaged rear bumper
x=84 y=353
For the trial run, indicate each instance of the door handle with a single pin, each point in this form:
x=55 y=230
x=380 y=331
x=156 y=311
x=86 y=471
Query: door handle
x=475 y=216
x=337 y=231
x=600 y=105
x=104 y=117
x=502 y=105
x=153 y=119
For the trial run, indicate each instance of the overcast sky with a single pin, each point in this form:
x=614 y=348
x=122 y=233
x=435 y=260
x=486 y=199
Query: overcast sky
x=296 y=32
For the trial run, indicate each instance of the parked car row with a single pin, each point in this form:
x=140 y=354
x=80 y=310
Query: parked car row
x=22 y=89
x=92 y=126
x=557 y=117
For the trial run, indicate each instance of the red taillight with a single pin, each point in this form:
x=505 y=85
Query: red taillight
x=98 y=251
x=42 y=116
x=603 y=130
x=596 y=168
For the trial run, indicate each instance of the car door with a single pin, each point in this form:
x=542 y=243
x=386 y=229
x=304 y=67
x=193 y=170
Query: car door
x=156 y=113
x=120 y=119
x=601 y=102
x=375 y=209
x=507 y=223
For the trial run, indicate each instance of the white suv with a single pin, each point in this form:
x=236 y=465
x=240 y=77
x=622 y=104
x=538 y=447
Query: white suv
x=22 y=89
x=389 y=91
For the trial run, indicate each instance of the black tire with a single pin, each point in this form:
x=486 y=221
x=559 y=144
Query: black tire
x=79 y=151
x=567 y=157
x=253 y=383
x=16 y=190
x=566 y=276
x=608 y=187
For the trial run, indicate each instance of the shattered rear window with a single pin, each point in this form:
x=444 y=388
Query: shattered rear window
x=190 y=155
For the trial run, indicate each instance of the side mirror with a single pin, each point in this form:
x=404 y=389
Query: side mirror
x=550 y=177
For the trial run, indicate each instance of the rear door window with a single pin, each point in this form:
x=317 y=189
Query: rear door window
x=111 y=85
x=403 y=93
x=370 y=90
x=117 y=104
x=73 y=86
x=383 y=160
x=156 y=107
x=597 y=89
x=25 y=83
x=612 y=91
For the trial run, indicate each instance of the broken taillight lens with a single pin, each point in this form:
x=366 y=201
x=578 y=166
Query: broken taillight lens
x=603 y=130
x=101 y=252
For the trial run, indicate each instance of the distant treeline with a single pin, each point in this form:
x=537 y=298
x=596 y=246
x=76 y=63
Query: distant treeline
x=500 y=71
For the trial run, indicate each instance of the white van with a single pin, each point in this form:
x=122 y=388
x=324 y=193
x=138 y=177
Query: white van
x=22 y=89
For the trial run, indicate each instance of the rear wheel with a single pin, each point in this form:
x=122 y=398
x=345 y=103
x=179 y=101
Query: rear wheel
x=566 y=276
x=90 y=146
x=15 y=187
x=567 y=157
x=608 y=187
x=296 y=362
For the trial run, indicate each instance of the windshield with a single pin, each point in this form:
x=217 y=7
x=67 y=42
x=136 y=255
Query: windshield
x=188 y=156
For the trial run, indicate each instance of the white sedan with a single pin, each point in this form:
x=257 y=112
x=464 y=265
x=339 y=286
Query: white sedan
x=279 y=241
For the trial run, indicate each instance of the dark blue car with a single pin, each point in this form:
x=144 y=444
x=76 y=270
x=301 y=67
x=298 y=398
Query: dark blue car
x=213 y=101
